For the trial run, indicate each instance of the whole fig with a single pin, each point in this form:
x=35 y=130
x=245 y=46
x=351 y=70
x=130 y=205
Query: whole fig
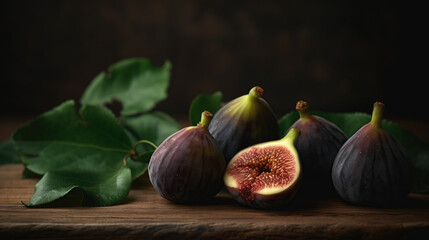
x=265 y=175
x=317 y=146
x=371 y=168
x=188 y=166
x=244 y=121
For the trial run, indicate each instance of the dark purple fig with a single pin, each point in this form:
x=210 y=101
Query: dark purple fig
x=317 y=146
x=188 y=166
x=265 y=175
x=371 y=168
x=244 y=121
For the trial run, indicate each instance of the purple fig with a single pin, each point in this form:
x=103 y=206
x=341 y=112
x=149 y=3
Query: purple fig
x=371 y=168
x=244 y=121
x=188 y=166
x=317 y=146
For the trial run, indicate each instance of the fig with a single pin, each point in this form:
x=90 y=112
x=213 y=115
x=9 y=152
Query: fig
x=317 y=146
x=244 y=121
x=265 y=175
x=188 y=166
x=371 y=168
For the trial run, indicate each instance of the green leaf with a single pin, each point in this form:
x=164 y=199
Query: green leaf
x=287 y=121
x=204 y=102
x=8 y=153
x=153 y=126
x=137 y=83
x=99 y=188
x=76 y=149
x=63 y=135
x=139 y=165
x=416 y=149
x=348 y=122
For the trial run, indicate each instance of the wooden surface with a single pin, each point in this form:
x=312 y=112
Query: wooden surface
x=144 y=214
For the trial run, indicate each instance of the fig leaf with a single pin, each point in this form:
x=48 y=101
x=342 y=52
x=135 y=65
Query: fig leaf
x=8 y=153
x=204 y=102
x=153 y=126
x=99 y=188
x=136 y=83
x=416 y=149
x=139 y=165
x=77 y=149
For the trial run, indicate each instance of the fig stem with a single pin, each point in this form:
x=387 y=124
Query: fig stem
x=302 y=108
x=377 y=114
x=206 y=118
x=292 y=135
x=256 y=92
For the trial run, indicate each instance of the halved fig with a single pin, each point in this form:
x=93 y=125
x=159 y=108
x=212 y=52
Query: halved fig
x=265 y=175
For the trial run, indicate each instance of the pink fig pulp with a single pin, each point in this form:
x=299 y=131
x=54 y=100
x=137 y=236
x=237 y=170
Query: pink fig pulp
x=265 y=175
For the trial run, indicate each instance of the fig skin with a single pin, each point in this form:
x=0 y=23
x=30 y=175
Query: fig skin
x=371 y=168
x=244 y=121
x=277 y=197
x=317 y=146
x=188 y=166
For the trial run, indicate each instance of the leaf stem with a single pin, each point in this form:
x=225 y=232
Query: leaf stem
x=134 y=152
x=126 y=158
x=144 y=141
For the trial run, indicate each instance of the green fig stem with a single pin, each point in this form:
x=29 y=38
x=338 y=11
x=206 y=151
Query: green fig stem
x=133 y=154
x=377 y=114
x=256 y=92
x=206 y=117
x=292 y=136
x=302 y=108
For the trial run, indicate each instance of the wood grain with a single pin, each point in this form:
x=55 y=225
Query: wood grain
x=144 y=214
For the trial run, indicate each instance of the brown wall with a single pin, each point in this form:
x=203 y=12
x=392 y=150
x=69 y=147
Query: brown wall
x=339 y=55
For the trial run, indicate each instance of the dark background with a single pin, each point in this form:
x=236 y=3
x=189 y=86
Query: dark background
x=338 y=55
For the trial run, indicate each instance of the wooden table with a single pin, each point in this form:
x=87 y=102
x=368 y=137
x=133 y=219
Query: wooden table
x=144 y=214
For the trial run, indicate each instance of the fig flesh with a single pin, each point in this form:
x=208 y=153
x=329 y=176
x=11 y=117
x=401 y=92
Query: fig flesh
x=265 y=175
x=188 y=166
x=244 y=121
x=371 y=168
x=317 y=146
